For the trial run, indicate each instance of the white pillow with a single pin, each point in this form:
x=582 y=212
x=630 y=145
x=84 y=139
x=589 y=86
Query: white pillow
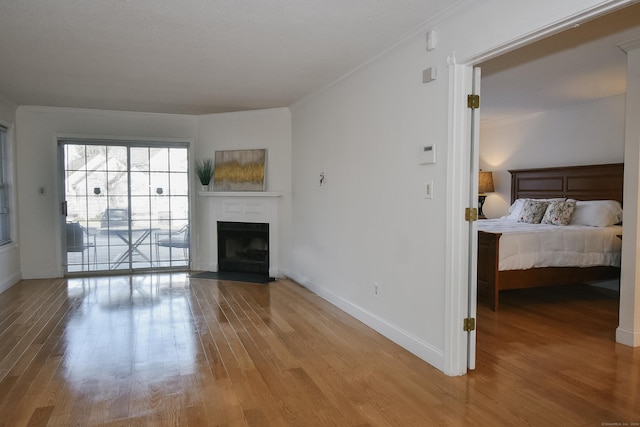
x=597 y=213
x=515 y=209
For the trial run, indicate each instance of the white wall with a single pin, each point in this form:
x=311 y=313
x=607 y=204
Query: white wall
x=270 y=129
x=39 y=228
x=40 y=250
x=589 y=133
x=628 y=331
x=10 y=254
x=370 y=222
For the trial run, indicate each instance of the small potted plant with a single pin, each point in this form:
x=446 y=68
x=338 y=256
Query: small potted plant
x=204 y=170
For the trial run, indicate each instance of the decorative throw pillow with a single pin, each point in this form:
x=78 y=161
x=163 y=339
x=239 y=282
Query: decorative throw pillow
x=559 y=213
x=533 y=211
x=516 y=208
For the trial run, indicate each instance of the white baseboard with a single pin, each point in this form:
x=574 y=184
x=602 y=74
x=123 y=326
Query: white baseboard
x=8 y=282
x=273 y=272
x=406 y=340
x=204 y=266
x=41 y=274
x=627 y=337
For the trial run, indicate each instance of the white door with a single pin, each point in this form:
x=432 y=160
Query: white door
x=473 y=229
x=462 y=177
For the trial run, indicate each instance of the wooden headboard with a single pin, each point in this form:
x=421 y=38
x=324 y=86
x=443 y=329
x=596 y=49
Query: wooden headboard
x=591 y=182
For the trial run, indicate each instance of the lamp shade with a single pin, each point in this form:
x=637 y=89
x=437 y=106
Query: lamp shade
x=485 y=182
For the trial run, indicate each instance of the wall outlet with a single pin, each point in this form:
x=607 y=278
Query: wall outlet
x=376 y=289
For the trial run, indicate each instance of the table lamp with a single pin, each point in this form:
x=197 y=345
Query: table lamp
x=485 y=185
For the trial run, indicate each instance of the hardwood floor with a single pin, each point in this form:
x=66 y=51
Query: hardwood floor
x=169 y=350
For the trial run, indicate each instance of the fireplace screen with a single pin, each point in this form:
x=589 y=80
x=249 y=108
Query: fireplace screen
x=243 y=247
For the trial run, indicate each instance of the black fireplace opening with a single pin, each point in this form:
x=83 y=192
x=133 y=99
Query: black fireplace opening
x=243 y=247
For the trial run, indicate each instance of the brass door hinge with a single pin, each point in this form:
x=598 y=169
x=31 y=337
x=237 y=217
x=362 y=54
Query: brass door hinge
x=469 y=324
x=470 y=214
x=473 y=101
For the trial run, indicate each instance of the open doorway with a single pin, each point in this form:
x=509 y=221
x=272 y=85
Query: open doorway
x=556 y=102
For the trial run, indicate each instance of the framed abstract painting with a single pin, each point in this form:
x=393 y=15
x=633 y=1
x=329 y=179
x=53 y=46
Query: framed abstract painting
x=240 y=170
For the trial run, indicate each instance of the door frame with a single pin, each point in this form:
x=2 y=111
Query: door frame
x=59 y=139
x=460 y=269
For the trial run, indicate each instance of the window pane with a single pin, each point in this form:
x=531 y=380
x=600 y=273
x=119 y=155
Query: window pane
x=179 y=160
x=159 y=183
x=5 y=234
x=159 y=159
x=139 y=183
x=179 y=184
x=140 y=208
x=140 y=158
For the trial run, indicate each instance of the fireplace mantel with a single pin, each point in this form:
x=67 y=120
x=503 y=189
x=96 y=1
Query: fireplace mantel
x=242 y=206
x=239 y=194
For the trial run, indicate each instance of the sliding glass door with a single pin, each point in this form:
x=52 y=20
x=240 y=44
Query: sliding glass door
x=126 y=206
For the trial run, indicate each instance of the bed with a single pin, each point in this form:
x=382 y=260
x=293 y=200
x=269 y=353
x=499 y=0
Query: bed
x=580 y=183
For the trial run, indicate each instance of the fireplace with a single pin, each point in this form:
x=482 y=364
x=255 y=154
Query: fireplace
x=243 y=247
x=249 y=207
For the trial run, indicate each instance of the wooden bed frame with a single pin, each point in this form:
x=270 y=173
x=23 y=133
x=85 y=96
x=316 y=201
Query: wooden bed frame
x=594 y=182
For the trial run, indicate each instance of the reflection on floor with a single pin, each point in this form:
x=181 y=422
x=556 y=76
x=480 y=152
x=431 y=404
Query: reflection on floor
x=134 y=325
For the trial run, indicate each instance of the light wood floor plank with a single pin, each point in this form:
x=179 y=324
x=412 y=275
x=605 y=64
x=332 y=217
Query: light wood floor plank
x=167 y=350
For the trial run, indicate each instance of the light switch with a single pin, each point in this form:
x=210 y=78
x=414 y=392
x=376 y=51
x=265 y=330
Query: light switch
x=428 y=189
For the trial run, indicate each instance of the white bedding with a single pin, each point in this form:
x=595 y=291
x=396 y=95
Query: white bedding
x=524 y=246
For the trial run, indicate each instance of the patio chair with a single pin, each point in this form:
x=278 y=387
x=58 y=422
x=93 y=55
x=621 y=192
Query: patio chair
x=78 y=241
x=173 y=239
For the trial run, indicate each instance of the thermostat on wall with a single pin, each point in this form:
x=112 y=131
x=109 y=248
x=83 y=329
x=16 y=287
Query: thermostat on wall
x=427 y=154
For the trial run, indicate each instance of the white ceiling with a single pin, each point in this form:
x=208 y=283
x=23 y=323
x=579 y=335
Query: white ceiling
x=193 y=56
x=209 y=56
x=578 y=65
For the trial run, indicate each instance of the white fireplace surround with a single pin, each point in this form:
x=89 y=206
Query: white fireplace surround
x=243 y=206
